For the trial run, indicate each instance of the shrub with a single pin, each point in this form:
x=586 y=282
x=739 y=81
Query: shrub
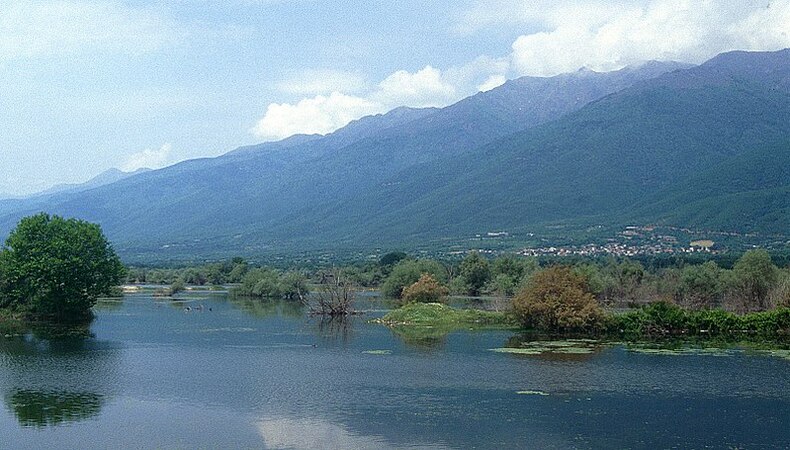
x=425 y=290
x=408 y=272
x=667 y=319
x=557 y=299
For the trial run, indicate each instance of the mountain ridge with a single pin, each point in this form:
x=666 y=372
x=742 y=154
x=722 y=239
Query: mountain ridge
x=440 y=173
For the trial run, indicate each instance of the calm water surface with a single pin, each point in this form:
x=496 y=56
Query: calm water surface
x=251 y=374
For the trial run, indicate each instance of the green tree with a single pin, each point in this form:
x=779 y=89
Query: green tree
x=293 y=285
x=392 y=258
x=407 y=272
x=780 y=295
x=558 y=299
x=475 y=272
x=700 y=285
x=752 y=278
x=508 y=273
x=54 y=268
x=620 y=282
x=177 y=286
x=262 y=282
x=238 y=270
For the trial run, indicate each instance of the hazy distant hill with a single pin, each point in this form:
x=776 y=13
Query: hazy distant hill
x=632 y=145
x=107 y=177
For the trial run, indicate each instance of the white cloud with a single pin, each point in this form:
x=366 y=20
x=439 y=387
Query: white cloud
x=608 y=35
x=323 y=114
x=148 y=158
x=494 y=81
x=567 y=35
x=320 y=114
x=424 y=88
x=66 y=27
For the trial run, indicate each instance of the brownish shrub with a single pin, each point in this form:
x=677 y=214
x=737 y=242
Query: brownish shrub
x=558 y=299
x=425 y=290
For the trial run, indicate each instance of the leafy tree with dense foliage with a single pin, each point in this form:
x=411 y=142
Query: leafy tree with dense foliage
x=392 y=258
x=408 y=272
x=425 y=290
x=780 y=294
x=751 y=279
x=269 y=283
x=54 y=269
x=558 y=299
x=508 y=273
x=261 y=282
x=475 y=272
x=624 y=280
x=700 y=285
x=293 y=285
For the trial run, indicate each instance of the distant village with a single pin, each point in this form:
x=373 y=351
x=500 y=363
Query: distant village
x=632 y=241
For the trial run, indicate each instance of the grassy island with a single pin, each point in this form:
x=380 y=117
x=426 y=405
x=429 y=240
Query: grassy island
x=443 y=316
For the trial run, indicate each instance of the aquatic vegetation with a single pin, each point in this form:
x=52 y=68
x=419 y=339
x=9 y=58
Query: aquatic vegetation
x=548 y=348
x=539 y=393
x=377 y=352
x=777 y=353
x=684 y=351
x=518 y=351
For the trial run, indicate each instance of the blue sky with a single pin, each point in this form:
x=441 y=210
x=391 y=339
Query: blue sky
x=90 y=85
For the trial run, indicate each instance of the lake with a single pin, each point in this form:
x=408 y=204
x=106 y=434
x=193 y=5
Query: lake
x=233 y=373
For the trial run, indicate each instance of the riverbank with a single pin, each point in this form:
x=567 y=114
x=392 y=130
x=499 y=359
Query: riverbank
x=655 y=321
x=11 y=323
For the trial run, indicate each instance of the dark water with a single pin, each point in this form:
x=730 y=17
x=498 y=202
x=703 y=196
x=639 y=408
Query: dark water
x=261 y=375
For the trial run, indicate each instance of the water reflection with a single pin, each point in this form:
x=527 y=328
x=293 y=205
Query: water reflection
x=334 y=328
x=51 y=376
x=426 y=338
x=313 y=433
x=108 y=304
x=40 y=409
x=263 y=308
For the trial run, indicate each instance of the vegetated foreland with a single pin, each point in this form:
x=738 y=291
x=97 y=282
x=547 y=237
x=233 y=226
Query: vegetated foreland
x=53 y=270
x=748 y=296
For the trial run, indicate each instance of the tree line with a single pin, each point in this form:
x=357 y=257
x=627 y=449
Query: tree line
x=752 y=283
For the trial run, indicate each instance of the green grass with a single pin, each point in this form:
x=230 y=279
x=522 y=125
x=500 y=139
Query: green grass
x=439 y=315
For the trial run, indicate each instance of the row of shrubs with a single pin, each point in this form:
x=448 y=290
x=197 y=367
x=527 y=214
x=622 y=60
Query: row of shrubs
x=666 y=319
x=558 y=299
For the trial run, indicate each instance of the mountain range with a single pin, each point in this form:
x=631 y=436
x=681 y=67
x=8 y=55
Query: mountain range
x=662 y=143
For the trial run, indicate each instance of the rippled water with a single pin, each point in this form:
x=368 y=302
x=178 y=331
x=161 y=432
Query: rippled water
x=249 y=374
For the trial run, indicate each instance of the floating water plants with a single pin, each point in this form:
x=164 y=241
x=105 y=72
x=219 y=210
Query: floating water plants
x=566 y=347
x=540 y=393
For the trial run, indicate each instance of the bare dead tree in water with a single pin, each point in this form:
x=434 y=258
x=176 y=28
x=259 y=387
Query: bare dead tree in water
x=335 y=296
